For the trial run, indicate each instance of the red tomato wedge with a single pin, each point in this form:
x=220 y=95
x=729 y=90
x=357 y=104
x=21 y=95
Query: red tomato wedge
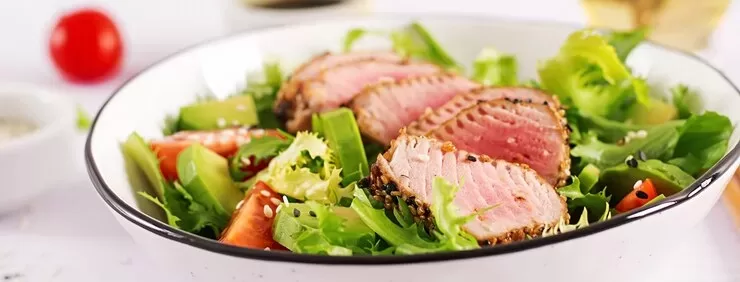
x=251 y=223
x=224 y=142
x=638 y=197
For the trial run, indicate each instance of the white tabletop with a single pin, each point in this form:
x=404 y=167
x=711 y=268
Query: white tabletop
x=68 y=235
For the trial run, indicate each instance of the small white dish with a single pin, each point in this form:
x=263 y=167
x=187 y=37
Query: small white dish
x=44 y=158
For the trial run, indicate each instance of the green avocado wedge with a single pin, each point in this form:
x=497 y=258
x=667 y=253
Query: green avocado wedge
x=668 y=179
x=340 y=130
x=205 y=175
x=210 y=115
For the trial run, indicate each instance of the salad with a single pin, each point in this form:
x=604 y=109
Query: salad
x=405 y=151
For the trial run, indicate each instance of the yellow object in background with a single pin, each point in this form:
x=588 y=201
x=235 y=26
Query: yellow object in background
x=731 y=197
x=683 y=24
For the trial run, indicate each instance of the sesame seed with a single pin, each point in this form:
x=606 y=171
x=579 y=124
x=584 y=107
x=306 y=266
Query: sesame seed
x=241 y=108
x=267 y=211
x=545 y=153
x=642 y=195
x=235 y=122
x=194 y=137
x=258 y=132
x=638 y=183
x=224 y=139
x=239 y=204
x=240 y=140
x=278 y=208
x=472 y=158
x=221 y=122
x=312 y=213
x=296 y=212
x=242 y=131
x=510 y=140
x=228 y=132
x=267 y=248
x=265 y=193
x=285 y=200
x=641 y=133
x=276 y=201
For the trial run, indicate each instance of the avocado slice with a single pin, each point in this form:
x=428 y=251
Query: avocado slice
x=657 y=112
x=234 y=111
x=205 y=175
x=339 y=127
x=668 y=179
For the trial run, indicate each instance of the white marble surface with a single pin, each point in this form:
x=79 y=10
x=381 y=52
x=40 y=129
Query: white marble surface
x=68 y=235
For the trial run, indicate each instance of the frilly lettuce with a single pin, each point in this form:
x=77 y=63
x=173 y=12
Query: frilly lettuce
x=408 y=238
x=306 y=170
x=492 y=67
x=588 y=74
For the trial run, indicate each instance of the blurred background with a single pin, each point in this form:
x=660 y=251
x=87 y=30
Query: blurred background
x=43 y=242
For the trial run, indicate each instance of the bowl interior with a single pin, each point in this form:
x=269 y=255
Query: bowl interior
x=143 y=103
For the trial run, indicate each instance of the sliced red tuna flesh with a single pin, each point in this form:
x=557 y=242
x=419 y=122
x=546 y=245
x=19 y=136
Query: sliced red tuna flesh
x=520 y=132
x=434 y=119
x=382 y=110
x=523 y=202
x=338 y=85
x=286 y=102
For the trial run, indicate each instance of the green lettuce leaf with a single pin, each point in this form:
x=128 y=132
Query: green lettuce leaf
x=494 y=68
x=405 y=237
x=702 y=142
x=264 y=87
x=579 y=197
x=625 y=41
x=306 y=170
x=588 y=74
x=413 y=41
x=257 y=150
x=686 y=101
x=83 y=119
x=658 y=144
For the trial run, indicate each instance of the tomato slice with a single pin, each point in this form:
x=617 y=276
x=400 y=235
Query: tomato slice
x=638 y=197
x=251 y=223
x=224 y=142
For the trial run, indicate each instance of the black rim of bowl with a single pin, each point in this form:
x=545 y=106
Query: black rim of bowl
x=163 y=230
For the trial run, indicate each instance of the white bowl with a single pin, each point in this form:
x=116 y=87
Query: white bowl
x=43 y=159
x=624 y=248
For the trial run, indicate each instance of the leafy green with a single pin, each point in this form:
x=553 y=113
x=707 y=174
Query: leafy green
x=494 y=68
x=624 y=41
x=580 y=196
x=407 y=239
x=563 y=226
x=702 y=142
x=413 y=41
x=333 y=231
x=588 y=74
x=686 y=101
x=343 y=136
x=171 y=124
x=257 y=150
x=658 y=144
x=532 y=83
x=83 y=119
x=306 y=170
x=181 y=210
x=605 y=129
x=668 y=179
x=264 y=90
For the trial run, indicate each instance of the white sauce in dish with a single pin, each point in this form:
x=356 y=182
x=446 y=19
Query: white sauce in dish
x=11 y=128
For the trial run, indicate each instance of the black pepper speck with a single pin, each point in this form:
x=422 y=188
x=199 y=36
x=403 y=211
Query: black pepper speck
x=642 y=195
x=296 y=212
x=642 y=155
x=632 y=162
x=472 y=158
x=364 y=183
x=312 y=214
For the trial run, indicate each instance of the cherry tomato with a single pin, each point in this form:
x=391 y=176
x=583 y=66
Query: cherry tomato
x=224 y=142
x=251 y=224
x=638 y=197
x=86 y=46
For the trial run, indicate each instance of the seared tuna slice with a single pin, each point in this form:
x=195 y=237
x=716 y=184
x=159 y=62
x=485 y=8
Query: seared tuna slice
x=434 y=119
x=337 y=85
x=382 y=110
x=286 y=102
x=523 y=203
x=519 y=132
